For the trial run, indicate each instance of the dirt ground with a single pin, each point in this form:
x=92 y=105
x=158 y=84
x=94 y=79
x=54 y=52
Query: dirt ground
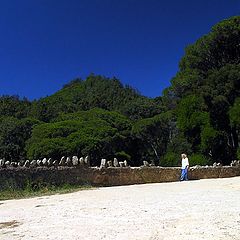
x=194 y=210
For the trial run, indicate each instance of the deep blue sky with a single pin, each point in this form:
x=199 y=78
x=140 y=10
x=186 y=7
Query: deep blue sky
x=46 y=43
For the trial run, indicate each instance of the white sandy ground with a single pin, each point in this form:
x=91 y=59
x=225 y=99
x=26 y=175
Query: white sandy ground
x=194 y=210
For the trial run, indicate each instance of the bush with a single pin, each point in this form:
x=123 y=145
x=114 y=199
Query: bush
x=238 y=153
x=123 y=156
x=198 y=159
x=170 y=159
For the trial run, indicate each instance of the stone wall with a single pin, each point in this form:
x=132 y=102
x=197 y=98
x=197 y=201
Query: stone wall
x=112 y=176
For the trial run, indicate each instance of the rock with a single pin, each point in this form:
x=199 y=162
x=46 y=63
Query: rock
x=115 y=162
x=49 y=162
x=68 y=162
x=145 y=163
x=62 y=161
x=235 y=163
x=55 y=163
x=87 y=161
x=2 y=164
x=103 y=163
x=7 y=163
x=39 y=163
x=219 y=164
x=75 y=161
x=121 y=164
x=13 y=164
x=33 y=163
x=81 y=161
x=44 y=162
x=20 y=164
x=214 y=164
x=125 y=163
x=26 y=164
x=109 y=163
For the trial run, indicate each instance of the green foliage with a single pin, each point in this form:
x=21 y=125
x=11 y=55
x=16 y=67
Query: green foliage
x=13 y=135
x=234 y=113
x=153 y=133
x=95 y=92
x=199 y=159
x=238 y=153
x=123 y=156
x=171 y=159
x=98 y=133
x=13 y=106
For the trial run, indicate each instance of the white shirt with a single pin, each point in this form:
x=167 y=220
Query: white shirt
x=185 y=163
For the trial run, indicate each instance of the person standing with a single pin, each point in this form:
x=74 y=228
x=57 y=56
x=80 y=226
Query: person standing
x=184 y=168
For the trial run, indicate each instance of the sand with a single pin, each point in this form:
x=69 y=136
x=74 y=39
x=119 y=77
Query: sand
x=194 y=210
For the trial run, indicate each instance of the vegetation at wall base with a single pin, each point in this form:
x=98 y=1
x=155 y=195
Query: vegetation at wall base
x=198 y=113
x=32 y=190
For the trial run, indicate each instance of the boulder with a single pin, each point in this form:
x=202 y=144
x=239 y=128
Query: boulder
x=109 y=163
x=13 y=164
x=26 y=164
x=62 y=161
x=81 y=161
x=115 y=162
x=7 y=163
x=33 y=163
x=121 y=164
x=55 y=163
x=2 y=164
x=68 y=162
x=145 y=163
x=125 y=163
x=50 y=162
x=44 y=162
x=103 y=163
x=20 y=164
x=39 y=163
x=87 y=161
x=75 y=161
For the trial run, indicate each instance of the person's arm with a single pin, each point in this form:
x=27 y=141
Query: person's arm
x=187 y=163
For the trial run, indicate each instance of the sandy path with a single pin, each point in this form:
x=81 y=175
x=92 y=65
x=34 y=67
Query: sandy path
x=194 y=210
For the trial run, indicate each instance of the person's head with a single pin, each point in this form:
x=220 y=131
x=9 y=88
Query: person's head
x=183 y=155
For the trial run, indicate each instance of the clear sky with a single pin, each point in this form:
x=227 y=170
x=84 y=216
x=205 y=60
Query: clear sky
x=46 y=43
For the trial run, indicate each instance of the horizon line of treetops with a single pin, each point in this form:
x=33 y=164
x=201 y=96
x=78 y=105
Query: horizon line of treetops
x=198 y=114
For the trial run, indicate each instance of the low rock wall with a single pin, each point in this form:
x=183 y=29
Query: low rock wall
x=112 y=176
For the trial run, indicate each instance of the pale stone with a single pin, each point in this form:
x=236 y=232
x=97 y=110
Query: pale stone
x=121 y=164
x=68 y=162
x=87 y=161
x=109 y=163
x=39 y=163
x=115 y=162
x=145 y=163
x=125 y=163
x=62 y=161
x=103 y=163
x=44 y=162
x=33 y=163
x=1 y=163
x=27 y=163
x=55 y=163
x=75 y=161
x=50 y=162
x=7 y=163
x=81 y=161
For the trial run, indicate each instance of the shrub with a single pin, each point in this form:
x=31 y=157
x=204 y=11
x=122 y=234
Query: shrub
x=170 y=159
x=198 y=159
